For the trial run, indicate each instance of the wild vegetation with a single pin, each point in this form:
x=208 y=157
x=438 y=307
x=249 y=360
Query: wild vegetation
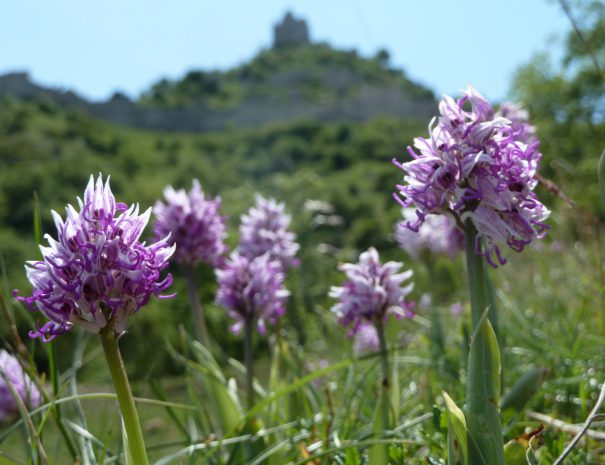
x=279 y=72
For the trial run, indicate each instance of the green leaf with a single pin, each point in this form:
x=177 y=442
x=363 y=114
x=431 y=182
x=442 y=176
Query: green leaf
x=6 y=459
x=297 y=384
x=378 y=453
x=127 y=455
x=523 y=390
x=221 y=391
x=394 y=390
x=352 y=457
x=520 y=450
x=89 y=396
x=514 y=453
x=159 y=393
x=483 y=395
x=457 y=445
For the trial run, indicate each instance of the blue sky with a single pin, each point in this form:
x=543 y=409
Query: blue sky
x=97 y=47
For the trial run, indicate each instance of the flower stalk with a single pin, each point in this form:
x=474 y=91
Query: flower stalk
x=384 y=363
x=134 y=435
x=249 y=359
x=199 y=321
x=476 y=276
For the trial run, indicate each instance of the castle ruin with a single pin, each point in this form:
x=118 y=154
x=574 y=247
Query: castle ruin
x=290 y=32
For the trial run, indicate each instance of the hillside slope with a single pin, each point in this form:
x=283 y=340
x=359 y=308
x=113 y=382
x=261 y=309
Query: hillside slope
x=289 y=84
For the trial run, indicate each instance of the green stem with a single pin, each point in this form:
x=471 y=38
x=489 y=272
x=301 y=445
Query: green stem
x=490 y=294
x=384 y=362
x=136 y=444
x=483 y=295
x=475 y=265
x=249 y=360
x=52 y=362
x=437 y=338
x=201 y=331
x=483 y=374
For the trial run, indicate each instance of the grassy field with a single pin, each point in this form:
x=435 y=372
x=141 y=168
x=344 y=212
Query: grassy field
x=316 y=403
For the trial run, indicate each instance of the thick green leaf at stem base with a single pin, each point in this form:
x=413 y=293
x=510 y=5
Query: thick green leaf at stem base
x=225 y=403
x=483 y=396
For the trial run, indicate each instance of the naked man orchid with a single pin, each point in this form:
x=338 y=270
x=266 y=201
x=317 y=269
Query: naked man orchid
x=478 y=167
x=252 y=289
x=194 y=223
x=13 y=373
x=265 y=229
x=371 y=291
x=96 y=273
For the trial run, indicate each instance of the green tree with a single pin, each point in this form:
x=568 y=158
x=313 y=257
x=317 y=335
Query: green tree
x=566 y=101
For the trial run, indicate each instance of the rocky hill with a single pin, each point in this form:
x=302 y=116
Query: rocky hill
x=294 y=80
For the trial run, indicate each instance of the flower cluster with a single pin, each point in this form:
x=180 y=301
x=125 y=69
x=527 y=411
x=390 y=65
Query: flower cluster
x=370 y=291
x=438 y=235
x=13 y=372
x=194 y=224
x=264 y=229
x=96 y=273
x=475 y=166
x=252 y=288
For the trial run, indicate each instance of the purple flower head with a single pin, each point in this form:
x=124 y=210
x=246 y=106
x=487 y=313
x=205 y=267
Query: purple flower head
x=264 y=229
x=475 y=166
x=426 y=301
x=366 y=339
x=252 y=288
x=519 y=118
x=97 y=273
x=456 y=308
x=194 y=224
x=13 y=373
x=370 y=291
x=438 y=234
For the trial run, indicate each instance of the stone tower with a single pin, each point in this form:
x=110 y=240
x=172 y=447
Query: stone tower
x=290 y=32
